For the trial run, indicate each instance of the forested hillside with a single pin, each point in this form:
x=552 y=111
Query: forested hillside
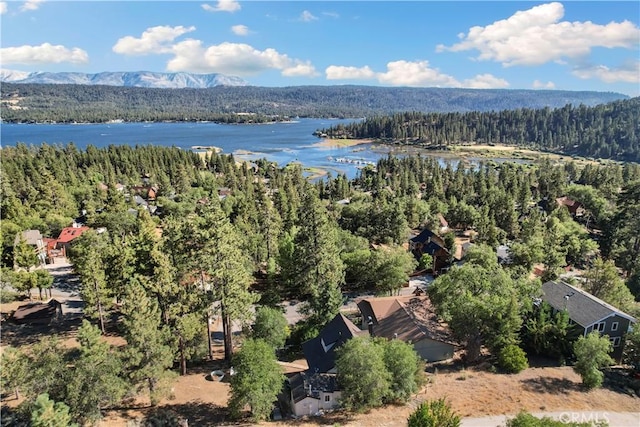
x=610 y=131
x=79 y=103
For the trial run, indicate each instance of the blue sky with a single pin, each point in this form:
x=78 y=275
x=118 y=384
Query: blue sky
x=568 y=45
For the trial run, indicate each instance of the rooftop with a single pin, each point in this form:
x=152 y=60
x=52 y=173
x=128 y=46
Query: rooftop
x=583 y=308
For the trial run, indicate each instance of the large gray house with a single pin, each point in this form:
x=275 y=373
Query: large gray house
x=589 y=313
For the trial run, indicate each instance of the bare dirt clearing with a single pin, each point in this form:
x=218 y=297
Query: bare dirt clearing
x=471 y=392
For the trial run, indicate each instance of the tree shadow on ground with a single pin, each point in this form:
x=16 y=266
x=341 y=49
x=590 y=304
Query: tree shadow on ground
x=335 y=418
x=17 y=335
x=551 y=385
x=539 y=361
x=199 y=413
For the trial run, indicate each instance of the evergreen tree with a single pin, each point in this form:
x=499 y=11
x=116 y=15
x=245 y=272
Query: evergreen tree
x=320 y=271
x=87 y=258
x=95 y=382
x=271 y=326
x=47 y=413
x=148 y=355
x=24 y=255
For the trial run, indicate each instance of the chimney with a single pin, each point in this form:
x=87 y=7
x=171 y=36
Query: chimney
x=370 y=326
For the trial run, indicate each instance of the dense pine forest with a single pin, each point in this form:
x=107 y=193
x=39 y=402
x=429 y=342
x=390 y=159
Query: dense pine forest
x=79 y=103
x=237 y=235
x=610 y=131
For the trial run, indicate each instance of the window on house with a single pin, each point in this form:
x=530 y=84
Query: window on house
x=614 y=326
x=327 y=398
x=599 y=327
x=615 y=341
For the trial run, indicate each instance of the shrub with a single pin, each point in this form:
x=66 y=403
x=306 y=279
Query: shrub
x=525 y=419
x=512 y=359
x=592 y=354
x=434 y=413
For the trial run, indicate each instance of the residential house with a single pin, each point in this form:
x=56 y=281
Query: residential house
x=589 y=313
x=33 y=238
x=576 y=209
x=428 y=242
x=308 y=394
x=67 y=236
x=147 y=192
x=410 y=319
x=316 y=389
x=320 y=351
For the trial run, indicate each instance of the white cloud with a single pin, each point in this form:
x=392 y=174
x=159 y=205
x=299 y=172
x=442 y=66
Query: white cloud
x=240 y=30
x=537 y=84
x=628 y=74
x=336 y=72
x=300 y=70
x=3 y=7
x=485 y=81
x=46 y=53
x=153 y=40
x=537 y=35
x=223 y=6
x=307 y=16
x=234 y=58
x=416 y=74
x=31 y=5
x=331 y=14
x=406 y=73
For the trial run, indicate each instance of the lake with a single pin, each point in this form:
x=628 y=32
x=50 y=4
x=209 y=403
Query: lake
x=283 y=142
x=278 y=142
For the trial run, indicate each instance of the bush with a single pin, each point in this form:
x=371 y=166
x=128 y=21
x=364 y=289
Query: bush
x=525 y=419
x=435 y=413
x=592 y=354
x=512 y=359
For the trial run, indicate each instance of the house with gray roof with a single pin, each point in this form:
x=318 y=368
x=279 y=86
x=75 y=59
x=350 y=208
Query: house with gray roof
x=589 y=313
x=309 y=393
x=320 y=351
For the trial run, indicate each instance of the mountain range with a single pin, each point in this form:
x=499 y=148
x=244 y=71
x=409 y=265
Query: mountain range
x=128 y=79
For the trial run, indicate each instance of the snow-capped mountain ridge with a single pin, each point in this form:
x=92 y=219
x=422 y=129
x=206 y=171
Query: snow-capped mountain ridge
x=128 y=79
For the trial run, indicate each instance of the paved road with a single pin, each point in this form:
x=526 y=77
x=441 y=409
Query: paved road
x=65 y=287
x=614 y=419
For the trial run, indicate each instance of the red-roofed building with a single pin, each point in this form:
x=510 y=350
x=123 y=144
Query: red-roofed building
x=67 y=235
x=52 y=252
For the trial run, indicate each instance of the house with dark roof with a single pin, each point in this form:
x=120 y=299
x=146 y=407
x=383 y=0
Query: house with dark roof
x=320 y=351
x=410 y=319
x=589 y=313
x=309 y=394
x=316 y=389
x=428 y=242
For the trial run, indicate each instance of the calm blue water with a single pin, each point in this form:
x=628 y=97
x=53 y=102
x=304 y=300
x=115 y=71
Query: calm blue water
x=278 y=142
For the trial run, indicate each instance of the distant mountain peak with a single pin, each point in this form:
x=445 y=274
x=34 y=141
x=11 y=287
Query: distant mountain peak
x=124 y=78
